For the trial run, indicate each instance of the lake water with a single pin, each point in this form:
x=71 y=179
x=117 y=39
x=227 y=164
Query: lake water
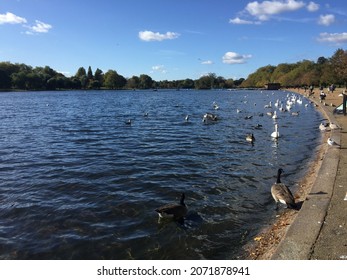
x=77 y=182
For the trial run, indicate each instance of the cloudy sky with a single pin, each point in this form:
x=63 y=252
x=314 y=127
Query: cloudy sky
x=170 y=39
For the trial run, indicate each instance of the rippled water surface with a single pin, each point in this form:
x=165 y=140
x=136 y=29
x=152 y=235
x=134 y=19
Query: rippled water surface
x=77 y=182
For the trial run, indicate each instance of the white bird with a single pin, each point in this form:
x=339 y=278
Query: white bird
x=333 y=126
x=332 y=143
x=187 y=118
x=322 y=127
x=275 y=134
x=275 y=115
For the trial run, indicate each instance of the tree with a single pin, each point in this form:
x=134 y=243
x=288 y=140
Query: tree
x=113 y=80
x=339 y=65
x=81 y=72
x=90 y=73
x=5 y=80
x=145 y=82
x=99 y=75
x=133 y=82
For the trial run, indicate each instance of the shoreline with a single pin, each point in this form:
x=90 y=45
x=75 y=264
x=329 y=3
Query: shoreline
x=268 y=240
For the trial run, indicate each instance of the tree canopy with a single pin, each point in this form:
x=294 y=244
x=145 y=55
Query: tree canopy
x=323 y=72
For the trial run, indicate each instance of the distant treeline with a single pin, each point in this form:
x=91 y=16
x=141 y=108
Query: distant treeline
x=24 y=77
x=324 y=72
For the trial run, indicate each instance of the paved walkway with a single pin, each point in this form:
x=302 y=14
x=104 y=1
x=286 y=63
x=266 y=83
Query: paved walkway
x=320 y=229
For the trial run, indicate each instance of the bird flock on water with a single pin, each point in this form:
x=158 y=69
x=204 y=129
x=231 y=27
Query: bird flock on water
x=279 y=191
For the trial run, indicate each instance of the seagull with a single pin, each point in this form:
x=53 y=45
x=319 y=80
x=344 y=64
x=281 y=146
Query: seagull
x=331 y=142
x=322 y=127
x=334 y=126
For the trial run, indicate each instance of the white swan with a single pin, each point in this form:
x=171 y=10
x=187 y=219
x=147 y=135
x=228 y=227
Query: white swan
x=275 y=134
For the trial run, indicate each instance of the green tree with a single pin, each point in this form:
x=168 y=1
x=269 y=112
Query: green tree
x=339 y=65
x=145 y=82
x=90 y=74
x=5 y=80
x=113 y=80
x=133 y=82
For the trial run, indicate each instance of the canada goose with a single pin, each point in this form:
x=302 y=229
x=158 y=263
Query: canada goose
x=175 y=211
x=281 y=193
x=250 y=138
x=275 y=134
x=331 y=142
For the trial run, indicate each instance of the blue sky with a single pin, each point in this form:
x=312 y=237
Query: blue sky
x=170 y=39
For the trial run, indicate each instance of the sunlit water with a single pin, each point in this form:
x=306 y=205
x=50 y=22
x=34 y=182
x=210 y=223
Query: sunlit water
x=77 y=182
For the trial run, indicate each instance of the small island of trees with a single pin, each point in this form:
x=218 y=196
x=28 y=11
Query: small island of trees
x=323 y=72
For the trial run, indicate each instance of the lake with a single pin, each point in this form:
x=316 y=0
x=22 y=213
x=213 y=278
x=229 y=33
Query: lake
x=78 y=182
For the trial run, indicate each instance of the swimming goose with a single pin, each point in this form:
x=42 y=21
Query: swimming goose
x=175 y=211
x=250 y=138
x=275 y=134
x=281 y=193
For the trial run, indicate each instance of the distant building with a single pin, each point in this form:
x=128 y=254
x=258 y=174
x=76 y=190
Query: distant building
x=273 y=86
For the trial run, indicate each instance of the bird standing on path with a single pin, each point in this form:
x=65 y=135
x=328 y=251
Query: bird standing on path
x=332 y=143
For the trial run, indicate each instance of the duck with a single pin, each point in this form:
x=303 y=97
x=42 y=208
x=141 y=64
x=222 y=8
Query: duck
x=275 y=134
x=175 y=211
x=187 y=118
x=250 y=138
x=281 y=193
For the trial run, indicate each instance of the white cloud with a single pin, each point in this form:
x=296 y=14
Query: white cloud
x=326 y=20
x=10 y=18
x=207 y=62
x=265 y=9
x=156 y=36
x=159 y=68
x=237 y=20
x=235 y=58
x=312 y=7
x=39 y=27
x=335 y=38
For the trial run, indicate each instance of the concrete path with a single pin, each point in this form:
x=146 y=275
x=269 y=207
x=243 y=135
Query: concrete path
x=320 y=229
